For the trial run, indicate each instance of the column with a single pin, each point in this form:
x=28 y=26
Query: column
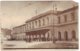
x=26 y=38
x=44 y=37
x=47 y=36
x=36 y=37
x=39 y=37
x=29 y=38
x=33 y=37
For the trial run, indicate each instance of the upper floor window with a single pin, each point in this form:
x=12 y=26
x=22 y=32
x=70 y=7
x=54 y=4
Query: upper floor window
x=48 y=19
x=39 y=23
x=73 y=16
x=43 y=22
x=59 y=20
x=32 y=24
x=29 y=25
x=65 y=18
x=24 y=28
x=36 y=23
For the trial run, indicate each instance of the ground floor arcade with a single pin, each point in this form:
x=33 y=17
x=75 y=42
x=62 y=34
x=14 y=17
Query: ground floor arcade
x=49 y=35
x=39 y=35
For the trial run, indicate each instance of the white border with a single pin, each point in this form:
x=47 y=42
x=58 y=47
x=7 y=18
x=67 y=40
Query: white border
x=35 y=0
x=49 y=49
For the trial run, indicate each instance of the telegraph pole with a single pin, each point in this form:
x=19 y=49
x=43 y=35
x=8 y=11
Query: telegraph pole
x=53 y=24
x=54 y=12
x=36 y=12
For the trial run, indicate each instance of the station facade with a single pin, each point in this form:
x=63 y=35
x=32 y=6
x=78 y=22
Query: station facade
x=50 y=26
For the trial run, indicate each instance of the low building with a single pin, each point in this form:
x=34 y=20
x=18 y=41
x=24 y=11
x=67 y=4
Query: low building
x=6 y=33
x=18 y=32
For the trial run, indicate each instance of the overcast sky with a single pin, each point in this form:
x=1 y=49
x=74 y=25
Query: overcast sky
x=15 y=13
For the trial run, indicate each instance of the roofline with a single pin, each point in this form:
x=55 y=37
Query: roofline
x=47 y=13
x=73 y=8
x=51 y=12
x=19 y=26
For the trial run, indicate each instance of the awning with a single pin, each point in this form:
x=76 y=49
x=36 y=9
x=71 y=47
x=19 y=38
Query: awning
x=43 y=31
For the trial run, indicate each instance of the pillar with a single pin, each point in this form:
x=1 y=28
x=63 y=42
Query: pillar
x=43 y=37
x=39 y=37
x=29 y=38
x=26 y=38
x=35 y=37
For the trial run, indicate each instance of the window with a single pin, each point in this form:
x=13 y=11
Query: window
x=48 y=19
x=59 y=20
x=66 y=35
x=59 y=35
x=26 y=26
x=73 y=35
x=29 y=25
x=39 y=23
x=32 y=24
x=36 y=23
x=65 y=18
x=43 y=22
x=73 y=16
x=48 y=36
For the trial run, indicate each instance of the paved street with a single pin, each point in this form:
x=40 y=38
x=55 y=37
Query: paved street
x=44 y=44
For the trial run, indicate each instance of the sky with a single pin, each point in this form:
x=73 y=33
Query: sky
x=15 y=13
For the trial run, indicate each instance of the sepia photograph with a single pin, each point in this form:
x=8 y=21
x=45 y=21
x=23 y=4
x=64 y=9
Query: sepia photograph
x=39 y=25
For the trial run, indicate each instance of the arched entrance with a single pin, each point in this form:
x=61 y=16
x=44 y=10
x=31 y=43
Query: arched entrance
x=59 y=35
x=66 y=35
x=74 y=35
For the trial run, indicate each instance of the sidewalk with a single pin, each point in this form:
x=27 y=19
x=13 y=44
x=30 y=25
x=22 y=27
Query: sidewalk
x=57 y=45
x=44 y=44
x=21 y=44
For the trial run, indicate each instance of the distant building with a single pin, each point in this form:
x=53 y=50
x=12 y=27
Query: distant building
x=6 y=33
x=18 y=32
x=50 y=26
